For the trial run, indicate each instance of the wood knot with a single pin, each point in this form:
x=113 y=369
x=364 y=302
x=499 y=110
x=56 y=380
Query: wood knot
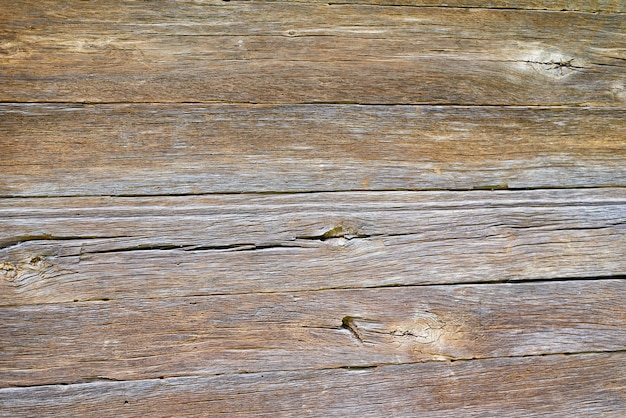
x=421 y=336
x=337 y=235
x=10 y=48
x=552 y=63
x=26 y=271
x=8 y=271
x=426 y=328
x=619 y=91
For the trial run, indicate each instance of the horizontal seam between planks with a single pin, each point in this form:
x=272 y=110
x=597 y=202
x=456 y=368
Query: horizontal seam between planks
x=373 y=366
x=577 y=106
x=297 y=192
x=236 y=3
x=272 y=105
x=482 y=8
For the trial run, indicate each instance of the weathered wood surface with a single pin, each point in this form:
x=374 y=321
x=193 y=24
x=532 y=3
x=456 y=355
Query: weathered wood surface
x=194 y=336
x=60 y=149
x=561 y=386
x=262 y=208
x=592 y=6
x=59 y=250
x=188 y=51
x=516 y=387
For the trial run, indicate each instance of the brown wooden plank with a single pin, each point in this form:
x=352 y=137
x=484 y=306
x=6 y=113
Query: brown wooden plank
x=139 y=339
x=559 y=386
x=594 y=6
x=66 y=249
x=579 y=385
x=52 y=149
x=301 y=53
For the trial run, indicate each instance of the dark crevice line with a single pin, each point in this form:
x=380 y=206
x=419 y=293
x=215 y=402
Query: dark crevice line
x=15 y=241
x=338 y=232
x=564 y=353
x=617 y=277
x=568 y=64
x=128 y=249
x=315 y=103
x=332 y=234
x=319 y=103
x=571 y=228
x=560 y=65
x=482 y=8
x=233 y=247
x=477 y=283
x=186 y=248
x=436 y=6
x=320 y=191
x=232 y=4
x=621 y=67
x=347 y=367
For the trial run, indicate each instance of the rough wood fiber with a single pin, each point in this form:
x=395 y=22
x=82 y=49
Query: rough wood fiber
x=73 y=51
x=558 y=386
x=592 y=6
x=61 y=149
x=77 y=342
x=59 y=250
x=354 y=298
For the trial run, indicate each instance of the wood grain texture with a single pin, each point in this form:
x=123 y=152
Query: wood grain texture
x=76 y=342
x=556 y=386
x=592 y=6
x=60 y=149
x=59 y=250
x=310 y=208
x=72 y=51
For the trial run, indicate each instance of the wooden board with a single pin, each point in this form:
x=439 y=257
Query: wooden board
x=65 y=249
x=592 y=6
x=193 y=336
x=578 y=385
x=311 y=208
x=188 y=51
x=54 y=149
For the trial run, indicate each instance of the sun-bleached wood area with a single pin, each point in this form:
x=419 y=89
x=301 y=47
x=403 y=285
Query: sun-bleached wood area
x=310 y=208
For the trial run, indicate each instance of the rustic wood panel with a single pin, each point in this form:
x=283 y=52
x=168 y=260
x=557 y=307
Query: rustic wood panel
x=52 y=149
x=137 y=51
x=67 y=249
x=139 y=339
x=298 y=208
x=560 y=386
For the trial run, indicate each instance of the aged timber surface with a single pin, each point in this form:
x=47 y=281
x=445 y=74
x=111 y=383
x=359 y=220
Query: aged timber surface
x=60 y=149
x=267 y=52
x=311 y=208
x=512 y=387
x=202 y=245
x=195 y=336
